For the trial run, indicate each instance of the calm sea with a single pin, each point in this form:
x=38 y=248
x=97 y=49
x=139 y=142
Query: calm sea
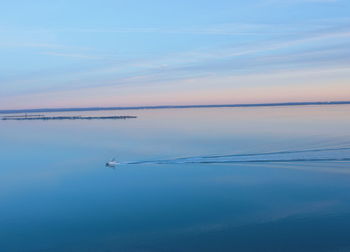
x=218 y=179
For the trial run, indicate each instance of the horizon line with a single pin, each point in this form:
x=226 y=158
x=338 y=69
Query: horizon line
x=8 y=111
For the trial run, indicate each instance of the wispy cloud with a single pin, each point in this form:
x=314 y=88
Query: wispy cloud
x=30 y=45
x=72 y=55
x=237 y=28
x=298 y=1
x=263 y=56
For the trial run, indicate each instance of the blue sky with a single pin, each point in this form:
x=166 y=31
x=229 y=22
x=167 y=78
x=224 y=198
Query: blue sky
x=129 y=53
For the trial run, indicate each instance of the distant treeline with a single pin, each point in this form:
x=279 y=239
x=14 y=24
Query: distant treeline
x=172 y=107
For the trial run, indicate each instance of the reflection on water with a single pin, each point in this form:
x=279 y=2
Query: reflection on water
x=221 y=179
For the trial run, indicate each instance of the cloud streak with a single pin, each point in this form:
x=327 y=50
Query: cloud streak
x=299 y=1
x=251 y=58
x=71 y=55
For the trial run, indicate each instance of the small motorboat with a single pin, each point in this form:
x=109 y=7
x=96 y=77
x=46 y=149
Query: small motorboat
x=113 y=163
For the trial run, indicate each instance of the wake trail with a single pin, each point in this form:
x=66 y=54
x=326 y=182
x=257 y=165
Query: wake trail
x=341 y=154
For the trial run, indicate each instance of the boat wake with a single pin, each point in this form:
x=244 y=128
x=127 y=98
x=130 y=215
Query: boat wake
x=307 y=155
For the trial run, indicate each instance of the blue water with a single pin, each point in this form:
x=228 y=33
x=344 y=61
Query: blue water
x=218 y=179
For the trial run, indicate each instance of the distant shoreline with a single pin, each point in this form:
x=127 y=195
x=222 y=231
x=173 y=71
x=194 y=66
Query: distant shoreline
x=171 y=107
x=46 y=118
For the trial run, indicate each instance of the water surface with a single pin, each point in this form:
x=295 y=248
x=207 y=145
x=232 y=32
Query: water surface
x=217 y=179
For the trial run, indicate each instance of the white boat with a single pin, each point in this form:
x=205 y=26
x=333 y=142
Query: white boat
x=113 y=163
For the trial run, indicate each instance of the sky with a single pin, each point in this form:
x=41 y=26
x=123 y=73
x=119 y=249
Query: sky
x=82 y=53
